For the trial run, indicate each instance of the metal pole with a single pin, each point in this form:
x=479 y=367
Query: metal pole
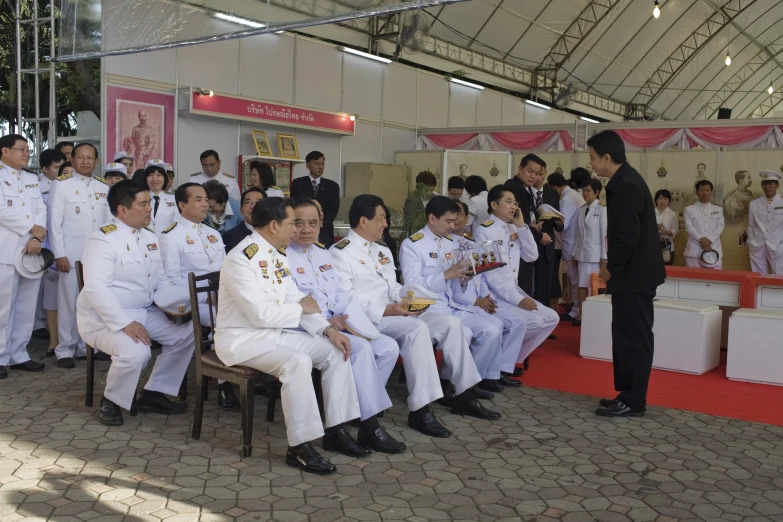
x=52 y=136
x=37 y=138
x=18 y=67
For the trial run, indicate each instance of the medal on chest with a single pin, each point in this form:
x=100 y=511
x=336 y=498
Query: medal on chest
x=212 y=239
x=383 y=259
x=324 y=268
x=191 y=242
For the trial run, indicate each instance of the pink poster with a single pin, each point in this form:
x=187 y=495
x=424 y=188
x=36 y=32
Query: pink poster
x=141 y=123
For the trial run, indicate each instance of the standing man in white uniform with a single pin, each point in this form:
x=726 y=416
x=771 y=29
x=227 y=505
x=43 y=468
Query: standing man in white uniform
x=507 y=226
x=22 y=227
x=188 y=245
x=367 y=272
x=116 y=311
x=704 y=224
x=77 y=207
x=210 y=163
x=260 y=323
x=312 y=268
x=765 y=227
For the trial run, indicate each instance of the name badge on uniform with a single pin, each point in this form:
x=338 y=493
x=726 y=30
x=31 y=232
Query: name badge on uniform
x=212 y=239
x=324 y=268
x=778 y=208
x=31 y=186
x=716 y=212
x=300 y=270
x=152 y=247
x=4 y=181
x=170 y=203
x=434 y=255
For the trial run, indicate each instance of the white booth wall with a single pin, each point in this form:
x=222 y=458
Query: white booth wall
x=392 y=100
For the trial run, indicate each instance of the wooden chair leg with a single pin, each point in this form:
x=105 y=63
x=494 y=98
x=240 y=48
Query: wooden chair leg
x=272 y=390
x=246 y=397
x=198 y=413
x=90 y=376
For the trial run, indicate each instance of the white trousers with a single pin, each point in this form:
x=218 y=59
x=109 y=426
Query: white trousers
x=764 y=263
x=18 y=298
x=415 y=345
x=514 y=329
x=70 y=343
x=371 y=363
x=540 y=325
x=486 y=342
x=454 y=343
x=695 y=262
x=292 y=361
x=129 y=358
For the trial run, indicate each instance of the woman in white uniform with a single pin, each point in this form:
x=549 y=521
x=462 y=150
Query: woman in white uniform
x=164 y=208
x=262 y=176
x=590 y=250
x=668 y=223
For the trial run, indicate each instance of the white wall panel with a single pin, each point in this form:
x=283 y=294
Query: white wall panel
x=513 y=111
x=399 y=94
x=490 y=110
x=267 y=71
x=318 y=75
x=396 y=139
x=364 y=146
x=433 y=101
x=213 y=66
x=535 y=115
x=195 y=134
x=158 y=66
x=362 y=86
x=462 y=105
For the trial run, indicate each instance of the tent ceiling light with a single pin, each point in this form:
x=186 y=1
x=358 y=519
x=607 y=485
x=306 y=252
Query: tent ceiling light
x=238 y=20
x=588 y=120
x=463 y=82
x=771 y=89
x=537 y=104
x=656 y=10
x=728 y=59
x=366 y=55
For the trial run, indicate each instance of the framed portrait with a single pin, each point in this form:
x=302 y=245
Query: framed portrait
x=287 y=145
x=262 y=143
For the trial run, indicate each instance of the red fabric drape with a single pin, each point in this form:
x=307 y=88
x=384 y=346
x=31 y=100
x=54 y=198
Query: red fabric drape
x=450 y=141
x=524 y=140
x=646 y=138
x=724 y=136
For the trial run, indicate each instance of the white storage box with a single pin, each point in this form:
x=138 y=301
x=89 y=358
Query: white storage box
x=756 y=346
x=687 y=334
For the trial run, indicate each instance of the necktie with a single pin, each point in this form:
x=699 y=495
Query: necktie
x=315 y=188
x=157 y=203
x=587 y=209
x=539 y=198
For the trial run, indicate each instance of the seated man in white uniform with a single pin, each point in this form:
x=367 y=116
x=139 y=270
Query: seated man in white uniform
x=428 y=259
x=312 y=268
x=704 y=224
x=367 y=272
x=507 y=225
x=474 y=291
x=765 y=227
x=265 y=323
x=116 y=313
x=188 y=245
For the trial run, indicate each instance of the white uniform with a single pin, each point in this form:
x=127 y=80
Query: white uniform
x=258 y=325
x=226 y=179
x=77 y=207
x=21 y=208
x=477 y=207
x=512 y=317
x=570 y=203
x=167 y=212
x=765 y=235
x=515 y=244
x=590 y=241
x=424 y=258
x=703 y=220
x=313 y=272
x=122 y=272
x=367 y=273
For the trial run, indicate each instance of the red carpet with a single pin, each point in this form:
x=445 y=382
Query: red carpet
x=556 y=365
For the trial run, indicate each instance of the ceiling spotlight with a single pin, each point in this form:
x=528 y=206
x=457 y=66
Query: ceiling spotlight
x=656 y=10
x=728 y=59
x=771 y=89
x=203 y=92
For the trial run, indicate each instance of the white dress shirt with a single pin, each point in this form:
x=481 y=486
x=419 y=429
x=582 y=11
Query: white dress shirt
x=77 y=207
x=477 y=206
x=20 y=209
x=703 y=220
x=228 y=180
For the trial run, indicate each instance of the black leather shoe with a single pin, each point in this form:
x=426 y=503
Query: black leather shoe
x=29 y=366
x=49 y=353
x=3 y=372
x=607 y=402
x=482 y=394
x=342 y=442
x=41 y=333
x=307 y=459
x=618 y=409
x=473 y=408
x=552 y=336
x=66 y=362
x=424 y=421
x=81 y=357
x=110 y=413
x=227 y=399
x=157 y=402
x=508 y=382
x=566 y=317
x=100 y=356
x=577 y=322
x=380 y=441
x=518 y=372
x=491 y=385
x=448 y=394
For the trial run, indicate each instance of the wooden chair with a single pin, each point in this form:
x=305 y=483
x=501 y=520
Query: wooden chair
x=209 y=365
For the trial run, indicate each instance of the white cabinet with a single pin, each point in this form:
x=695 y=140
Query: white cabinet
x=713 y=292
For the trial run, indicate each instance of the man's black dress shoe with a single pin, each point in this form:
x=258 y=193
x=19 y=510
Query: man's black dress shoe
x=3 y=372
x=110 y=413
x=566 y=317
x=552 y=336
x=41 y=333
x=491 y=385
x=506 y=381
x=49 y=353
x=607 y=402
x=307 y=459
x=81 y=357
x=380 y=441
x=66 y=362
x=227 y=399
x=341 y=441
x=158 y=403
x=482 y=394
x=518 y=372
x=29 y=366
x=448 y=394
x=577 y=322
x=473 y=408
x=424 y=421
x=618 y=409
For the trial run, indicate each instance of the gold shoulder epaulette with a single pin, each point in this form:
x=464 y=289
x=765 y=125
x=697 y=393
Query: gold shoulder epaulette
x=228 y=175
x=415 y=237
x=195 y=174
x=488 y=223
x=108 y=229
x=64 y=177
x=467 y=236
x=251 y=250
x=449 y=238
x=100 y=179
x=148 y=228
x=320 y=245
x=342 y=244
x=281 y=250
x=170 y=228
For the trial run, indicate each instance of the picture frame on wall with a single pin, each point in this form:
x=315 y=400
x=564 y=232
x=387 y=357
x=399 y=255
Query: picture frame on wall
x=287 y=145
x=262 y=143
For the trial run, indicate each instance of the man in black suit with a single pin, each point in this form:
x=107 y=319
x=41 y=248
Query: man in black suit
x=544 y=266
x=250 y=197
x=325 y=191
x=633 y=272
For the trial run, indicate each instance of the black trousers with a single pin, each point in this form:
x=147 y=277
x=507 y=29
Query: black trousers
x=557 y=292
x=542 y=278
x=525 y=277
x=632 y=346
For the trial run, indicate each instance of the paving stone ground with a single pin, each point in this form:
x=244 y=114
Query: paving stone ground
x=548 y=458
